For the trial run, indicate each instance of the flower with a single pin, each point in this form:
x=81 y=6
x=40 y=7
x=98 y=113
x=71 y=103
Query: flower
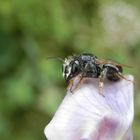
x=87 y=115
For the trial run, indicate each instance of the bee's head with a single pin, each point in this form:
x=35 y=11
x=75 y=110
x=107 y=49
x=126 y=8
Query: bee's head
x=71 y=68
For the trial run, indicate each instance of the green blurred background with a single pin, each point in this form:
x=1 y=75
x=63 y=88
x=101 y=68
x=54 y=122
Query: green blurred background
x=31 y=88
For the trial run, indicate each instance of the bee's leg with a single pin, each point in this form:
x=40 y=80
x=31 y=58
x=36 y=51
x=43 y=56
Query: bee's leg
x=101 y=79
x=70 y=85
x=121 y=76
x=79 y=82
x=101 y=85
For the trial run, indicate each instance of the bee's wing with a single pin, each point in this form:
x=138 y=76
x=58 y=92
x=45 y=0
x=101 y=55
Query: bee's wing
x=109 y=61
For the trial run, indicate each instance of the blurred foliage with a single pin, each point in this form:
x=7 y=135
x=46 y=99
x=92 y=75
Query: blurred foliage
x=31 y=88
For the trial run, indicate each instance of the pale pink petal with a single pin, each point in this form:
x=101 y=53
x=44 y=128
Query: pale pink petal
x=86 y=115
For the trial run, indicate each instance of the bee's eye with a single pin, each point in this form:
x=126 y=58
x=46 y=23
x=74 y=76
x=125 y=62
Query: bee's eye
x=75 y=68
x=66 y=70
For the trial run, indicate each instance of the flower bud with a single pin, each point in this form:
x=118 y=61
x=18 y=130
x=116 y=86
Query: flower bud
x=84 y=114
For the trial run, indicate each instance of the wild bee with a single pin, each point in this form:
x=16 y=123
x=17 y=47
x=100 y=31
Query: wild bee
x=88 y=65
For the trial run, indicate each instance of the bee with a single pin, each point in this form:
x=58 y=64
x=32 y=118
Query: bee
x=88 y=65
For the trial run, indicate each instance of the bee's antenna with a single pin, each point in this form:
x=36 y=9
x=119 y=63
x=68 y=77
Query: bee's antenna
x=57 y=58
